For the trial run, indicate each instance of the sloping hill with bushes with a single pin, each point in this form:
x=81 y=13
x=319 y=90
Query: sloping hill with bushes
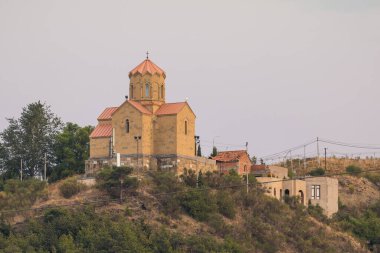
x=163 y=213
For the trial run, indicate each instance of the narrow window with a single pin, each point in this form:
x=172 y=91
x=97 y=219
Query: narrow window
x=127 y=126
x=317 y=192
x=162 y=91
x=313 y=192
x=131 y=91
x=147 y=90
x=186 y=127
x=274 y=192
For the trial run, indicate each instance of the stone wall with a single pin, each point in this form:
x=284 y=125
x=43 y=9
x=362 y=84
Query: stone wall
x=143 y=163
x=100 y=147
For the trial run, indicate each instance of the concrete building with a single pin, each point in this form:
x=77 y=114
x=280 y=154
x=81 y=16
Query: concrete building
x=145 y=131
x=280 y=188
x=322 y=191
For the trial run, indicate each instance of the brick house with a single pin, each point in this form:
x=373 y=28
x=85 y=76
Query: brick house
x=237 y=160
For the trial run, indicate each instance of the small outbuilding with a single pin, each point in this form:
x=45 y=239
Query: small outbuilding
x=237 y=160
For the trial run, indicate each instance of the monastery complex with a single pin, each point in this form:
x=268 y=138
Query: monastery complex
x=147 y=133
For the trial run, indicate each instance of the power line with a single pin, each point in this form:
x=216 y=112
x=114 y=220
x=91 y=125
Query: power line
x=365 y=146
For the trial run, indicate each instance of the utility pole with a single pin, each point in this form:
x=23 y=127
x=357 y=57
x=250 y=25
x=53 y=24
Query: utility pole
x=291 y=161
x=247 y=180
x=197 y=178
x=319 y=160
x=137 y=138
x=45 y=161
x=21 y=169
x=121 y=190
x=325 y=159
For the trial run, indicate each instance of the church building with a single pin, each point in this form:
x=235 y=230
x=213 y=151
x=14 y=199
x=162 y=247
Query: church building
x=145 y=131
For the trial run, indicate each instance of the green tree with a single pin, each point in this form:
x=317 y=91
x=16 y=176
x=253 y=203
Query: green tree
x=317 y=172
x=199 y=151
x=353 y=170
x=3 y=158
x=254 y=160
x=116 y=180
x=214 y=151
x=71 y=150
x=29 y=138
x=226 y=205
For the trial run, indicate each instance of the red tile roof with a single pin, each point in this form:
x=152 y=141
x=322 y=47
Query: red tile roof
x=258 y=167
x=229 y=156
x=139 y=107
x=107 y=113
x=170 y=108
x=100 y=131
x=147 y=66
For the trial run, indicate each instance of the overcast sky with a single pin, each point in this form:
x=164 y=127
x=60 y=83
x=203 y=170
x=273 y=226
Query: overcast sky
x=273 y=73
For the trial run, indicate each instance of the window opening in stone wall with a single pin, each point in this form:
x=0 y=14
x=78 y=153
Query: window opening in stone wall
x=147 y=90
x=315 y=192
x=127 y=126
x=185 y=127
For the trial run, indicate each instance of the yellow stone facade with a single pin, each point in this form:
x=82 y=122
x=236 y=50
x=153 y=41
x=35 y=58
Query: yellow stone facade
x=167 y=130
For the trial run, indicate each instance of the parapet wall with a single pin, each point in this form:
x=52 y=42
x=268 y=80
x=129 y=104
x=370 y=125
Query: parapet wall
x=172 y=163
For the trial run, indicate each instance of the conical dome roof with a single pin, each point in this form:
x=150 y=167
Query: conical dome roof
x=147 y=66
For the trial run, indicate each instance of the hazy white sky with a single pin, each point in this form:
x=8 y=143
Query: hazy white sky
x=273 y=73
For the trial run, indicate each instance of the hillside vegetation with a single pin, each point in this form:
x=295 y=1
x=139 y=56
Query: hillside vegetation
x=163 y=213
x=333 y=165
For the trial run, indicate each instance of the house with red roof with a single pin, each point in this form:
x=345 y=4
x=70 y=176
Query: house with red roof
x=237 y=160
x=145 y=131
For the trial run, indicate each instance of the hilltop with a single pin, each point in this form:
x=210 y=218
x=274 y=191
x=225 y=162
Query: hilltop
x=165 y=215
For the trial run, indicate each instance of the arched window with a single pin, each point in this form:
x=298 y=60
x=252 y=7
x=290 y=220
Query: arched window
x=162 y=91
x=147 y=90
x=186 y=127
x=301 y=196
x=131 y=95
x=127 y=126
x=274 y=192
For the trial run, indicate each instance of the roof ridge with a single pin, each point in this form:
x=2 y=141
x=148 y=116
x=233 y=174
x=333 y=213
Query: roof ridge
x=147 y=66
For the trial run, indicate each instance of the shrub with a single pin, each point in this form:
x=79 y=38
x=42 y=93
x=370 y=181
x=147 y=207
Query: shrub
x=317 y=172
x=353 y=170
x=165 y=183
x=189 y=177
x=317 y=212
x=198 y=204
x=70 y=187
x=19 y=194
x=374 y=178
x=226 y=205
x=116 y=179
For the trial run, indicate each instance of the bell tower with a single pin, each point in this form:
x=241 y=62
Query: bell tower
x=147 y=85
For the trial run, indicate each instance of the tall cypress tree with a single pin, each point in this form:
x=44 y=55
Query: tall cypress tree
x=199 y=151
